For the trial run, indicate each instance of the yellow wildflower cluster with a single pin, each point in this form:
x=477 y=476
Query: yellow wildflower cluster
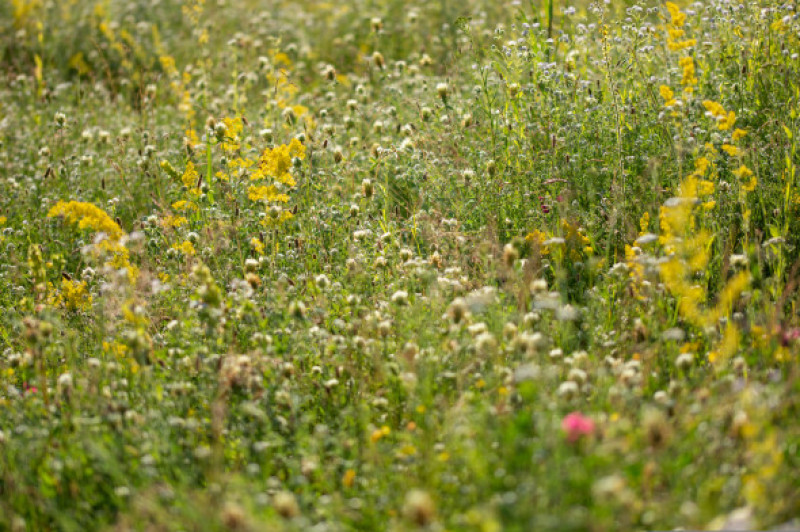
x=676 y=40
x=690 y=252
x=667 y=95
x=170 y=221
x=185 y=247
x=185 y=206
x=537 y=238
x=275 y=164
x=233 y=129
x=190 y=179
x=191 y=139
x=725 y=120
x=258 y=245
x=72 y=295
x=266 y=193
x=689 y=79
x=380 y=433
x=87 y=216
x=747 y=178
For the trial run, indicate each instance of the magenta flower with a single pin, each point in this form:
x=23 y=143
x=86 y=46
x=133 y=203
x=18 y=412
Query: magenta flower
x=576 y=425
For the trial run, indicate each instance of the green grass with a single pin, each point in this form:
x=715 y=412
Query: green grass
x=353 y=266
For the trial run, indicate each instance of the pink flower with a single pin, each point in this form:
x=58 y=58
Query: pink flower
x=576 y=425
x=29 y=389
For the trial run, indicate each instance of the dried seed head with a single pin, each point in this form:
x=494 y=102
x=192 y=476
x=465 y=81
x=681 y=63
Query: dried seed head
x=419 y=508
x=286 y=505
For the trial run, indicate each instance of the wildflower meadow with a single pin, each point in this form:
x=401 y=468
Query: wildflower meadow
x=399 y=265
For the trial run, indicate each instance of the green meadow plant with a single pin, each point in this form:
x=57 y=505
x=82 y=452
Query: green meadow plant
x=399 y=265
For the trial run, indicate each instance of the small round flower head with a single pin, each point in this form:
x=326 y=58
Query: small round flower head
x=568 y=389
x=250 y=265
x=510 y=255
x=289 y=116
x=400 y=298
x=419 y=508
x=297 y=309
x=578 y=375
x=457 y=310
x=322 y=281
x=367 y=189
x=286 y=505
x=65 y=383
x=219 y=130
x=378 y=60
x=442 y=90
x=684 y=361
x=485 y=343
x=576 y=426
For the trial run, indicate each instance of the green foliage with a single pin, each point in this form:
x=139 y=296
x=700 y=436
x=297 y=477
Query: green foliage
x=398 y=265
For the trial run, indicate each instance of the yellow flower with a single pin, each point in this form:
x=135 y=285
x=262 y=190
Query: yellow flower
x=277 y=162
x=689 y=78
x=668 y=95
x=731 y=150
x=678 y=18
x=738 y=134
x=73 y=296
x=266 y=193
x=716 y=110
x=87 y=216
x=186 y=247
x=675 y=33
x=191 y=139
x=681 y=45
x=348 y=478
x=191 y=178
x=185 y=206
x=705 y=188
x=168 y=64
x=174 y=221
x=377 y=434
x=743 y=172
x=258 y=245
x=233 y=127
x=727 y=121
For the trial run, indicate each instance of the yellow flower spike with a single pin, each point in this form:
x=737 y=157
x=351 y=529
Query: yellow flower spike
x=186 y=247
x=348 y=478
x=87 y=216
x=738 y=134
x=266 y=193
x=731 y=150
x=689 y=78
x=728 y=121
x=258 y=245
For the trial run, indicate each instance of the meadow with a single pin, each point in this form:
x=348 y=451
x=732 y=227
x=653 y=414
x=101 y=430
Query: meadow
x=399 y=265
